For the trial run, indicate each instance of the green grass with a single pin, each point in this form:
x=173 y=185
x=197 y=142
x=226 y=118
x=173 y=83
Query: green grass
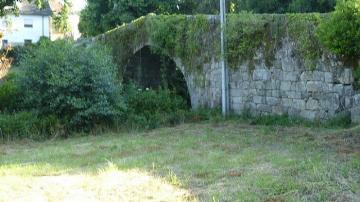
x=224 y=161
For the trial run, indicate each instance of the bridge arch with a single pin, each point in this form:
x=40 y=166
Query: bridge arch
x=151 y=70
x=201 y=69
x=203 y=92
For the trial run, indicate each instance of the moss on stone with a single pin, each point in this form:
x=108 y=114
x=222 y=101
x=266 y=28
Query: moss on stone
x=196 y=39
x=302 y=31
x=124 y=40
x=249 y=33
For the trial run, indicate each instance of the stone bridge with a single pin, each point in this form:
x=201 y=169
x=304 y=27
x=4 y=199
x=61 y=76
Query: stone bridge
x=281 y=71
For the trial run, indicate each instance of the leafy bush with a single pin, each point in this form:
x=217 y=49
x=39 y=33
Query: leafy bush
x=10 y=93
x=17 y=53
x=153 y=108
x=341 y=32
x=28 y=125
x=76 y=84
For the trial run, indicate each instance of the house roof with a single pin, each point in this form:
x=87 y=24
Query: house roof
x=26 y=8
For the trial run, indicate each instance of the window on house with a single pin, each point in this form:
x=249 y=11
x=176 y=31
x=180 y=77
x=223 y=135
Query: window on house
x=5 y=43
x=27 y=42
x=28 y=23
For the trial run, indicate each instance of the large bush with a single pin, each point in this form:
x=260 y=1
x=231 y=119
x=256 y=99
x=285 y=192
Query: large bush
x=341 y=32
x=76 y=84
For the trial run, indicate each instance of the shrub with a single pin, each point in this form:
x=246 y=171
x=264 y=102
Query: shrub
x=28 y=125
x=76 y=84
x=17 y=53
x=341 y=32
x=153 y=108
x=10 y=93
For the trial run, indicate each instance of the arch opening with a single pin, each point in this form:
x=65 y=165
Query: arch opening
x=151 y=70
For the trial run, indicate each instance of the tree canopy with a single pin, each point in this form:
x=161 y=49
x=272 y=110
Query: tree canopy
x=9 y=6
x=341 y=32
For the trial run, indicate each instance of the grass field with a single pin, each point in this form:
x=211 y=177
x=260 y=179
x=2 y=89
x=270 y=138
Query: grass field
x=227 y=161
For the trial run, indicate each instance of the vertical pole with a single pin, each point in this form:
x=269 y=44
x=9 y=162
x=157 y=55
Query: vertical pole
x=224 y=74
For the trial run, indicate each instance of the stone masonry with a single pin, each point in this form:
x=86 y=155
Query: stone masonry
x=289 y=88
x=285 y=88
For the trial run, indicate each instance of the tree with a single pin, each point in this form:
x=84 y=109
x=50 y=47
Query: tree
x=99 y=17
x=312 y=6
x=341 y=32
x=61 y=19
x=9 y=6
x=262 y=6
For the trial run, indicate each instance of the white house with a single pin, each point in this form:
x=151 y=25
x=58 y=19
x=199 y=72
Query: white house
x=31 y=24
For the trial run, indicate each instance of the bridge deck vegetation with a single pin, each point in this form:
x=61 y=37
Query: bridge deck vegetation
x=194 y=39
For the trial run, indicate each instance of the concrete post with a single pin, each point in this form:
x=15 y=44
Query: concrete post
x=224 y=71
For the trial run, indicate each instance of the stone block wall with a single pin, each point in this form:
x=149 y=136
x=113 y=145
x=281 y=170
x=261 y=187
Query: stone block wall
x=287 y=87
x=204 y=85
x=355 y=111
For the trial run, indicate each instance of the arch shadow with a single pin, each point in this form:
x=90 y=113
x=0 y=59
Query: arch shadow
x=151 y=70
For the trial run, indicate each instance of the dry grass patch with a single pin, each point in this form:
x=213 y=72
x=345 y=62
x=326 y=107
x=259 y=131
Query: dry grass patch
x=227 y=161
x=110 y=184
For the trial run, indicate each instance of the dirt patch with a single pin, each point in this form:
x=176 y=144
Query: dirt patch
x=135 y=152
x=227 y=148
x=5 y=65
x=344 y=143
x=202 y=174
x=234 y=173
x=275 y=200
x=3 y=151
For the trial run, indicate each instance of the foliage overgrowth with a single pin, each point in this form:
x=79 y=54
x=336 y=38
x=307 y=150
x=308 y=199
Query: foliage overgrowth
x=11 y=93
x=60 y=88
x=149 y=109
x=76 y=84
x=195 y=39
x=341 y=32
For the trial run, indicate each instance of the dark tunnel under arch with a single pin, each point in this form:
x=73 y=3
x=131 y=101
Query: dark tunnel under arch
x=151 y=70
